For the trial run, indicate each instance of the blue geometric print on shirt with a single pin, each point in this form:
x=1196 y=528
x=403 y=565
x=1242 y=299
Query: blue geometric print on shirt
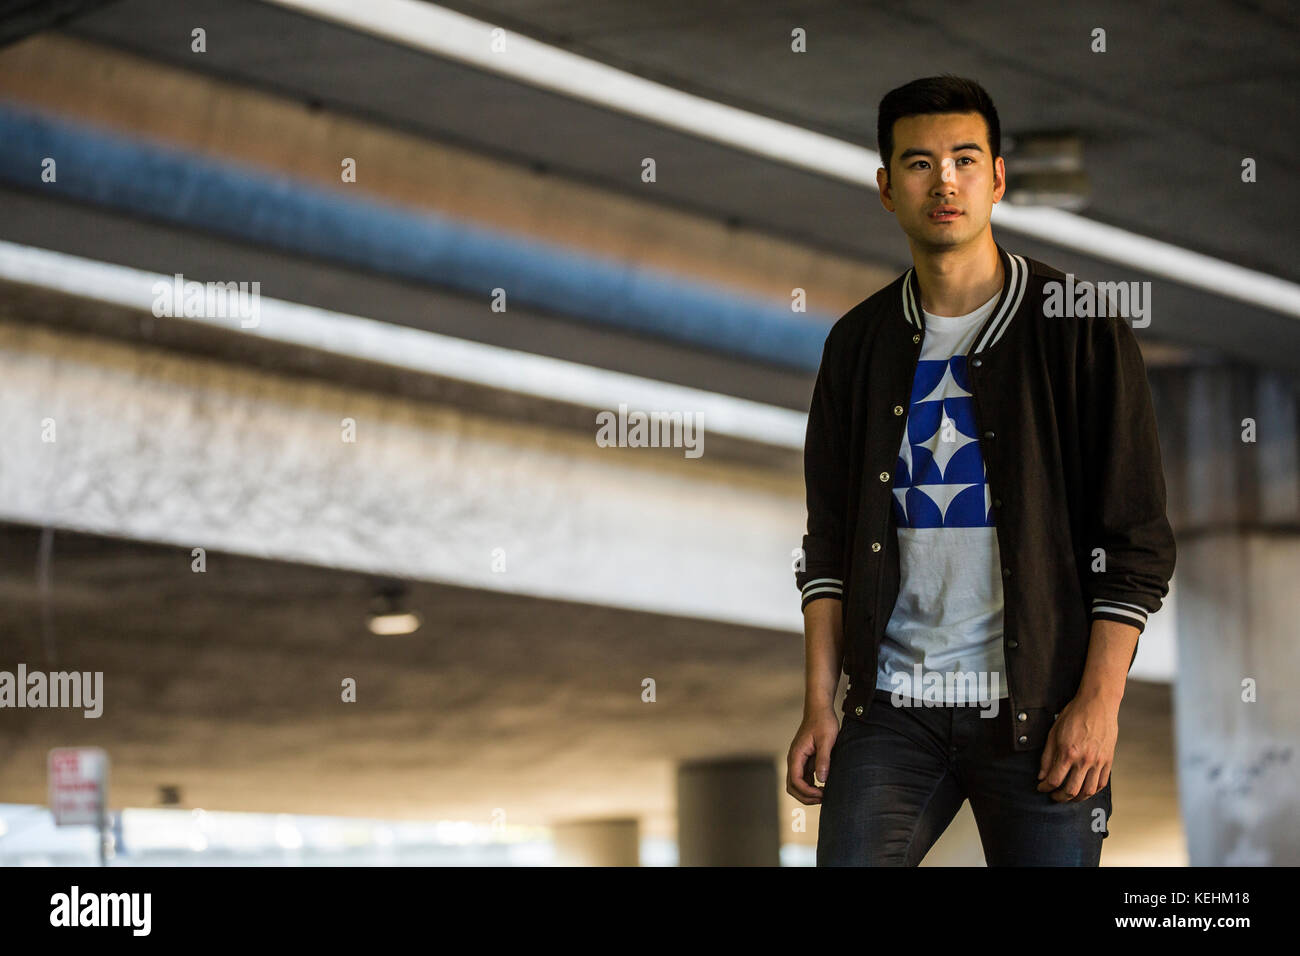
x=939 y=484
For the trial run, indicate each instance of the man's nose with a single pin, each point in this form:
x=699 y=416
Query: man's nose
x=944 y=184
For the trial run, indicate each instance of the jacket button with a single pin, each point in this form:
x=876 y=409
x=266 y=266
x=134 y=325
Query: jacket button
x=1013 y=644
x=916 y=337
x=1006 y=572
x=898 y=409
x=1024 y=739
x=858 y=710
x=978 y=362
x=988 y=434
x=997 y=502
x=884 y=476
x=1022 y=716
x=875 y=546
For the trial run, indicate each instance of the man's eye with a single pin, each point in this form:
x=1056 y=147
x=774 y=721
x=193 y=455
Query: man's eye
x=919 y=162
x=966 y=159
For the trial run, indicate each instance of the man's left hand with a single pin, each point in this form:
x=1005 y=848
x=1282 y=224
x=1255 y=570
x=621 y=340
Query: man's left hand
x=1080 y=749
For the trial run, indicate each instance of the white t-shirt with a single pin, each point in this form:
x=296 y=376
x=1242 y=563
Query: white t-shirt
x=948 y=616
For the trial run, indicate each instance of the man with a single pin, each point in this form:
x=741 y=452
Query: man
x=986 y=528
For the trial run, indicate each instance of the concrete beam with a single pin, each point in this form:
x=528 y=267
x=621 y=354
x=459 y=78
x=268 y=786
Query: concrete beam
x=162 y=447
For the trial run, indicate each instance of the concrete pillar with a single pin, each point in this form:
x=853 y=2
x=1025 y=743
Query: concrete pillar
x=1235 y=505
x=727 y=812
x=608 y=842
x=1238 y=759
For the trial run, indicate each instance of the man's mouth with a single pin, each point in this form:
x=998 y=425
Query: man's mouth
x=944 y=213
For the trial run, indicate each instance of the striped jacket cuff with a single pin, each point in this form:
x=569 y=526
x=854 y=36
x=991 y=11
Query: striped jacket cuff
x=822 y=588
x=1125 y=612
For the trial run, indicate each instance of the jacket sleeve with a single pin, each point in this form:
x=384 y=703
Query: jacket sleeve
x=825 y=458
x=1124 y=479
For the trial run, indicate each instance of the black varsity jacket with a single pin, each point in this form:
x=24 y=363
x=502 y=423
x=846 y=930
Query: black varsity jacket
x=1068 y=436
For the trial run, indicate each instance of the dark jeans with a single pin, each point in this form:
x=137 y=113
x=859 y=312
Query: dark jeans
x=898 y=775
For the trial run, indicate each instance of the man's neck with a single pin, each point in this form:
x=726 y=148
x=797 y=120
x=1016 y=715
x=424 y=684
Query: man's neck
x=958 y=281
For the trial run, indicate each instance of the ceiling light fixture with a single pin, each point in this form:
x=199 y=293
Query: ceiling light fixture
x=388 y=616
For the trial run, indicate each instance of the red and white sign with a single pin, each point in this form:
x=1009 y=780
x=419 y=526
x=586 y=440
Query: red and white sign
x=78 y=784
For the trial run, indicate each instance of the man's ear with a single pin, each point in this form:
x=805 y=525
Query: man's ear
x=882 y=184
x=999 y=179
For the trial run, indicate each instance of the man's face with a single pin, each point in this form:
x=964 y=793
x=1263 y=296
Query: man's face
x=944 y=182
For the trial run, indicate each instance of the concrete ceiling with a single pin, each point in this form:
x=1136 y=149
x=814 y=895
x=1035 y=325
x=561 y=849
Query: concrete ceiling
x=1167 y=113
x=1183 y=93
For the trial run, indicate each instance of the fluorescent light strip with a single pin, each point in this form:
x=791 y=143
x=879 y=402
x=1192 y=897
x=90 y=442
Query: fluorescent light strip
x=417 y=350
x=1152 y=256
x=455 y=36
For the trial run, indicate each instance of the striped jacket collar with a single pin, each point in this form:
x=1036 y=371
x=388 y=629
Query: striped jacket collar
x=1015 y=280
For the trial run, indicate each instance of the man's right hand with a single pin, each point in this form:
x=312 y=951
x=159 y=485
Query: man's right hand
x=810 y=753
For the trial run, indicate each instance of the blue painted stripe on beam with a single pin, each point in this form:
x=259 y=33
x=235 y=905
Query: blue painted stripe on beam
x=262 y=208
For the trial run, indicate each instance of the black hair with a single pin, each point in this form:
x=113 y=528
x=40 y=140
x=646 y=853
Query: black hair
x=935 y=94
